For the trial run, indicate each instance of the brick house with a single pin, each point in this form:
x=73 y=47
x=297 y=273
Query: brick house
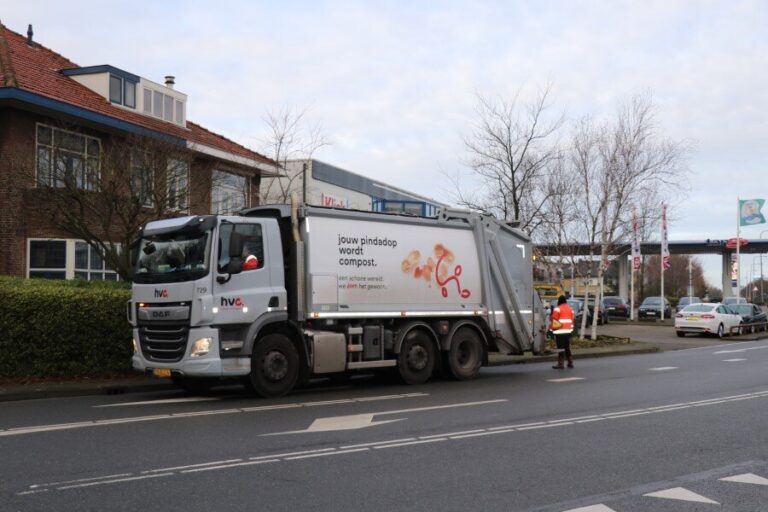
x=60 y=120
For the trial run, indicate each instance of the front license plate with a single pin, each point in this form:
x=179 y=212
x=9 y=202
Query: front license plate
x=161 y=372
x=651 y=313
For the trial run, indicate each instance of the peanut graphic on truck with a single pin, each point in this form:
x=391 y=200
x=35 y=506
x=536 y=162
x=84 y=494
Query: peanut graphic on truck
x=438 y=267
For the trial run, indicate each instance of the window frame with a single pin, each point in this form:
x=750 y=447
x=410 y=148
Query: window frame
x=88 y=179
x=145 y=173
x=70 y=269
x=170 y=180
x=247 y=184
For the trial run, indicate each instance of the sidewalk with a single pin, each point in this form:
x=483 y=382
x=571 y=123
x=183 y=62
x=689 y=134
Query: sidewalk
x=58 y=389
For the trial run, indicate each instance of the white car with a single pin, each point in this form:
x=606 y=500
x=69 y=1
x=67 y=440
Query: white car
x=706 y=318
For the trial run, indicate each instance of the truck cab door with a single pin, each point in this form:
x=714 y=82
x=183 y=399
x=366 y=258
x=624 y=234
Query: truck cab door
x=249 y=293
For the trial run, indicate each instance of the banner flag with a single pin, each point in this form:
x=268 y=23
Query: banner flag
x=635 y=243
x=664 y=245
x=749 y=212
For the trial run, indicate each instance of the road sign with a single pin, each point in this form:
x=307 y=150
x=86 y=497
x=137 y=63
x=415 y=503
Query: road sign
x=731 y=243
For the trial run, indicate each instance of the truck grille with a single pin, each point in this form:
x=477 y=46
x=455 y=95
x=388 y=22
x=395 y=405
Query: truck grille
x=163 y=343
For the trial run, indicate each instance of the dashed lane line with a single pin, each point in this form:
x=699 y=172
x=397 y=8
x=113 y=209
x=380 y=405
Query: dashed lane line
x=736 y=360
x=663 y=369
x=566 y=379
x=386 y=444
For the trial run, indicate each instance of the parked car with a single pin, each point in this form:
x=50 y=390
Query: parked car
x=651 y=308
x=616 y=306
x=734 y=300
x=686 y=301
x=706 y=318
x=602 y=311
x=750 y=314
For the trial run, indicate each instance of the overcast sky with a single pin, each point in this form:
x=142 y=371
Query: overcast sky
x=393 y=83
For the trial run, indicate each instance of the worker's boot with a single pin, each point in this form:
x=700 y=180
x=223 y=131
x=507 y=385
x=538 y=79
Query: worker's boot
x=570 y=362
x=560 y=359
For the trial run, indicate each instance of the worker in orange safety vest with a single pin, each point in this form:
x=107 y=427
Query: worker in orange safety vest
x=561 y=325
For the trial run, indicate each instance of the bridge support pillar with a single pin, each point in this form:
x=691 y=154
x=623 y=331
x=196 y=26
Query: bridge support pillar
x=727 y=290
x=623 y=277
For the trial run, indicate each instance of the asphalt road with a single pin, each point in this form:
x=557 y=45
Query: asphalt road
x=636 y=433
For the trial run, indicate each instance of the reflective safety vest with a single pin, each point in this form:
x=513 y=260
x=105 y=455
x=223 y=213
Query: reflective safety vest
x=562 y=320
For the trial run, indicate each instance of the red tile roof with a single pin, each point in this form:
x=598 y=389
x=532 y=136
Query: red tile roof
x=36 y=69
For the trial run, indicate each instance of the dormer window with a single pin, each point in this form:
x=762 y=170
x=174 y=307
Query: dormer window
x=160 y=104
x=122 y=91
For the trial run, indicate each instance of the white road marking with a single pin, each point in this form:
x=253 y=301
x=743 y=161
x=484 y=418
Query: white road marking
x=663 y=369
x=238 y=464
x=733 y=360
x=114 y=481
x=160 y=402
x=677 y=493
x=135 y=419
x=340 y=452
x=592 y=508
x=177 y=468
x=566 y=379
x=358 y=421
x=747 y=478
x=681 y=494
x=737 y=350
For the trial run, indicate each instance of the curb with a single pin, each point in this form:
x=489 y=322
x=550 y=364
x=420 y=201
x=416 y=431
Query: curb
x=588 y=353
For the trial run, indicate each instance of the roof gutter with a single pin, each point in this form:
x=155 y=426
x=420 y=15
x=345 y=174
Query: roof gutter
x=43 y=102
x=265 y=170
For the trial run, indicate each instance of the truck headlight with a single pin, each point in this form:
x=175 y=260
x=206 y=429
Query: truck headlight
x=201 y=347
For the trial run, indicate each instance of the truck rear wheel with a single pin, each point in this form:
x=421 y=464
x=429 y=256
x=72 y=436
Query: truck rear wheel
x=417 y=358
x=274 y=366
x=465 y=356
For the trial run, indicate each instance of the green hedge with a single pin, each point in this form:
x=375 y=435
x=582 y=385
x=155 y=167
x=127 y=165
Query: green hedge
x=51 y=328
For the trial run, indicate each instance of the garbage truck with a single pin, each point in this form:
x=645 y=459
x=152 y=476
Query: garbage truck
x=279 y=294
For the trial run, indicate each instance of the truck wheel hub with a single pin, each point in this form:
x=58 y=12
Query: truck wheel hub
x=275 y=366
x=417 y=357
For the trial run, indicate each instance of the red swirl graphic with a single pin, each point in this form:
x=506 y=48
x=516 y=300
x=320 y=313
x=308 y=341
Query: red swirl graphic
x=463 y=292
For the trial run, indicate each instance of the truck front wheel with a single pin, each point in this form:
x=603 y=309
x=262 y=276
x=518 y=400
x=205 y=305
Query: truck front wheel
x=417 y=358
x=274 y=366
x=465 y=355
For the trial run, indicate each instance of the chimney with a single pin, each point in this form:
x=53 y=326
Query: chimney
x=29 y=35
x=170 y=81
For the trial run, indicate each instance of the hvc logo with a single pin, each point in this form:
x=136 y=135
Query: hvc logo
x=235 y=302
x=161 y=294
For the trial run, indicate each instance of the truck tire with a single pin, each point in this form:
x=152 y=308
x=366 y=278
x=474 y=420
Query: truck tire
x=274 y=366
x=194 y=386
x=465 y=356
x=416 y=360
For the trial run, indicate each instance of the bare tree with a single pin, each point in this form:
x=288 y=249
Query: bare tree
x=289 y=137
x=618 y=166
x=511 y=150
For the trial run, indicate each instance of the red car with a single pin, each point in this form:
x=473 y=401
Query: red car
x=616 y=306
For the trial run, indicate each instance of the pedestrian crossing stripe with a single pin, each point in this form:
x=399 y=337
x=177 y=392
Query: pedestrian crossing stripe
x=681 y=494
x=746 y=478
x=592 y=508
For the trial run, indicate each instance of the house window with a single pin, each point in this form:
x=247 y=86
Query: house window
x=48 y=259
x=163 y=106
x=67 y=259
x=142 y=178
x=66 y=158
x=90 y=266
x=178 y=185
x=122 y=91
x=229 y=193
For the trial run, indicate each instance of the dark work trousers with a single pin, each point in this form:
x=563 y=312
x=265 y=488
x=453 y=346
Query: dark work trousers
x=564 y=343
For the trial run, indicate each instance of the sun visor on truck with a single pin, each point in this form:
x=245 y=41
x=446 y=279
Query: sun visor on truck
x=180 y=224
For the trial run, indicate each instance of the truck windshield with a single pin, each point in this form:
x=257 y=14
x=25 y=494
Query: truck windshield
x=179 y=256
